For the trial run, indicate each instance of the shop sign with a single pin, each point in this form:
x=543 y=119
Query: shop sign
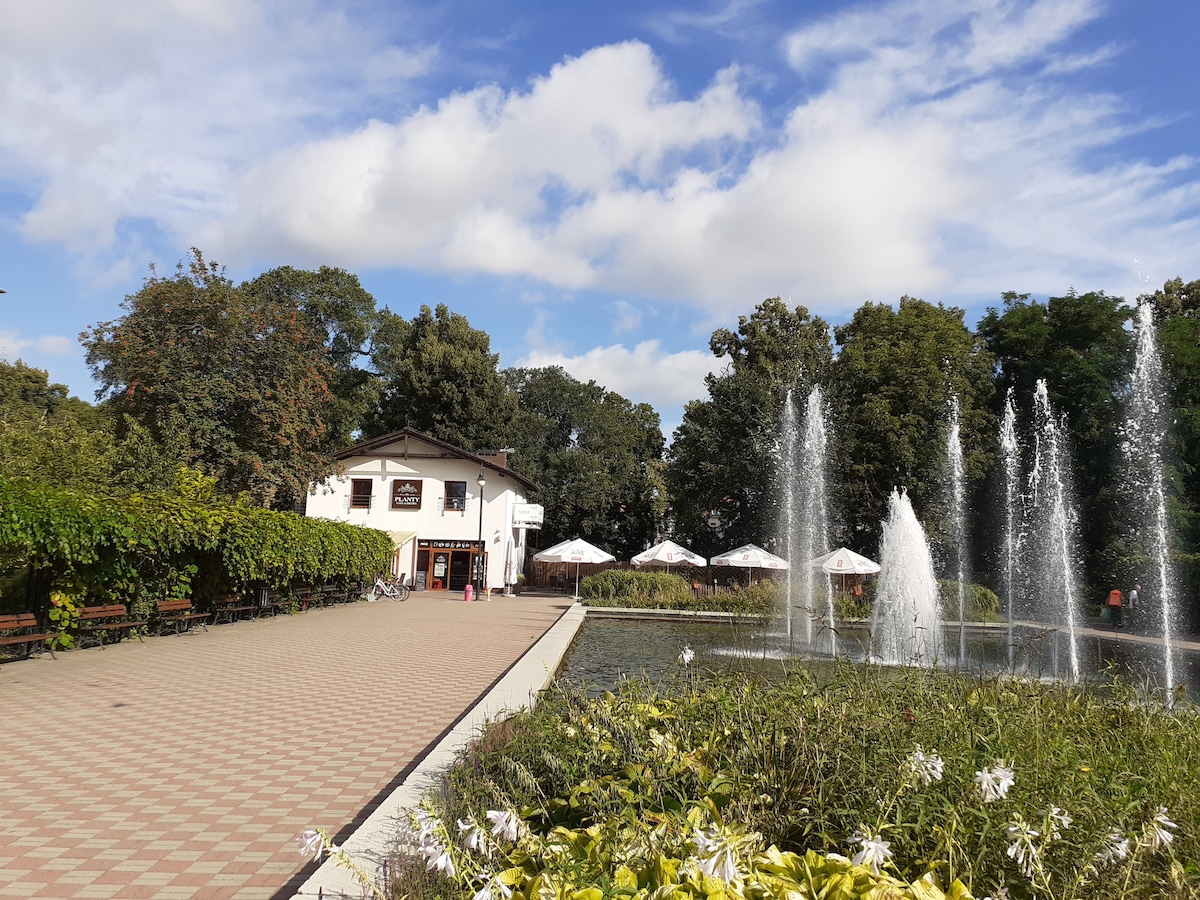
x=435 y=544
x=528 y=515
x=406 y=493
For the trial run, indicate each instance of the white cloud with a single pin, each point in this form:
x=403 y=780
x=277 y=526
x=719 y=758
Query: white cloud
x=12 y=345
x=934 y=145
x=152 y=109
x=629 y=317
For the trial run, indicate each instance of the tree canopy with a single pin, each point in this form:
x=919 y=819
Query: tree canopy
x=722 y=457
x=438 y=375
x=239 y=381
x=596 y=456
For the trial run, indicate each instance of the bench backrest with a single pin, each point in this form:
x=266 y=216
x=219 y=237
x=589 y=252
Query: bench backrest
x=167 y=606
x=102 y=612
x=18 y=620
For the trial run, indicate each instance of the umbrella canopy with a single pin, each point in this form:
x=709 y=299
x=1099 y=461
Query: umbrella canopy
x=576 y=551
x=845 y=562
x=668 y=554
x=750 y=556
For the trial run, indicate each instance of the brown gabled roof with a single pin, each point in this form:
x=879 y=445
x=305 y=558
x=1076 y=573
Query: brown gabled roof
x=449 y=451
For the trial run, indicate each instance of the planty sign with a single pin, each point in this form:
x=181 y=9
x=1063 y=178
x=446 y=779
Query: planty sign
x=406 y=493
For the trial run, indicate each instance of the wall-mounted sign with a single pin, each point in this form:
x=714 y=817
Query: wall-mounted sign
x=435 y=544
x=406 y=493
x=528 y=515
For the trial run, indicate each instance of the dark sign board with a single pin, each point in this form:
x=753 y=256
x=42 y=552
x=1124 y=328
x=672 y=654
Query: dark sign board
x=406 y=493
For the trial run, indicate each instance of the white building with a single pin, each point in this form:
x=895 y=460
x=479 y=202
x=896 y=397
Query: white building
x=427 y=494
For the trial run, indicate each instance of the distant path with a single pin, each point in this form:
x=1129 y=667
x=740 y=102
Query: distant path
x=185 y=767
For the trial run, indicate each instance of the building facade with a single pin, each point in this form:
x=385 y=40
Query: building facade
x=456 y=517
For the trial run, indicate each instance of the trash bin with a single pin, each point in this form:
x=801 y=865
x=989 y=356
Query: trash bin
x=469 y=592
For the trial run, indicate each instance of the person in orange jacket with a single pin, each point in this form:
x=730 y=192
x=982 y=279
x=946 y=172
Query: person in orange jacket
x=1114 y=607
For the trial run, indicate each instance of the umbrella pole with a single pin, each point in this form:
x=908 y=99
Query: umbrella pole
x=576 y=597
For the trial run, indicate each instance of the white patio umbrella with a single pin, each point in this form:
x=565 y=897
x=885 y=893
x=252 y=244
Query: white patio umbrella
x=576 y=551
x=845 y=562
x=751 y=556
x=668 y=554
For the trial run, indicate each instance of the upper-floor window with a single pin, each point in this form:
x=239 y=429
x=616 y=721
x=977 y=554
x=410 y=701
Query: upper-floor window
x=360 y=493
x=456 y=495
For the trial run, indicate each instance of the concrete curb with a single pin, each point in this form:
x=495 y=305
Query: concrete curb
x=370 y=845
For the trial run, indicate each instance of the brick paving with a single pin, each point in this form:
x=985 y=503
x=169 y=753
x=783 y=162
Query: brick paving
x=184 y=767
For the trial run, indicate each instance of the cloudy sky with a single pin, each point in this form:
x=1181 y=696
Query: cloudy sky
x=595 y=185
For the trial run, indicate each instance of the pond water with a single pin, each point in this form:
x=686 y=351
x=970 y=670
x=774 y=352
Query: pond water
x=605 y=650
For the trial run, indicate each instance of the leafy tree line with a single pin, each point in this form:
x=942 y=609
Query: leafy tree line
x=256 y=384
x=887 y=376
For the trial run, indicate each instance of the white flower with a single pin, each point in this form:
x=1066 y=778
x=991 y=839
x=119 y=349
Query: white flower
x=718 y=858
x=687 y=655
x=426 y=825
x=439 y=861
x=1022 y=850
x=309 y=844
x=1157 y=834
x=924 y=769
x=473 y=838
x=874 y=850
x=994 y=783
x=506 y=825
x=491 y=885
x=1057 y=821
x=1115 y=849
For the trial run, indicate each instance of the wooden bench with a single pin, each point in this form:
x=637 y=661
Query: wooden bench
x=112 y=620
x=21 y=630
x=230 y=608
x=178 y=613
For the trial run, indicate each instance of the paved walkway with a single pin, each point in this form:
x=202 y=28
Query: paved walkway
x=185 y=767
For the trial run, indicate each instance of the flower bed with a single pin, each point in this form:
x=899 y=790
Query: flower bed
x=923 y=783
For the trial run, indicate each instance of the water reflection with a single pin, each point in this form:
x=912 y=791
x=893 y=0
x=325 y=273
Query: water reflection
x=605 y=650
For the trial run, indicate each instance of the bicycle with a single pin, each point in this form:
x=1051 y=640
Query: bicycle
x=383 y=587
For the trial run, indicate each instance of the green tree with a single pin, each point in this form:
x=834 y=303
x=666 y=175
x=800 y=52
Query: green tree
x=335 y=305
x=1080 y=345
x=890 y=396
x=596 y=456
x=50 y=438
x=722 y=456
x=438 y=375
x=240 y=381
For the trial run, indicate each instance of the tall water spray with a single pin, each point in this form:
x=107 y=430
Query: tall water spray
x=906 y=628
x=815 y=518
x=954 y=459
x=1011 y=452
x=1144 y=434
x=789 y=473
x=1054 y=518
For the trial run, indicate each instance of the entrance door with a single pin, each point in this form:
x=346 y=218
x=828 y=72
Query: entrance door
x=460 y=569
x=441 y=564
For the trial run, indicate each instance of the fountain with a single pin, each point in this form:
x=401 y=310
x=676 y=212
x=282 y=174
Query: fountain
x=789 y=473
x=954 y=459
x=1012 y=537
x=1143 y=446
x=805 y=522
x=815 y=530
x=1054 y=522
x=906 y=628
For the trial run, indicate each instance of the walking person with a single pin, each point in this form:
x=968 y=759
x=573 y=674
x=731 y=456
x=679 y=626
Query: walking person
x=1131 y=603
x=1114 y=607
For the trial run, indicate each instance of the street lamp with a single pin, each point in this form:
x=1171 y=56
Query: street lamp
x=479 y=574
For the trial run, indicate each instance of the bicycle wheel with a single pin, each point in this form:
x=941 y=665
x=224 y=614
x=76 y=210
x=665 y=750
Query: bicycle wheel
x=400 y=593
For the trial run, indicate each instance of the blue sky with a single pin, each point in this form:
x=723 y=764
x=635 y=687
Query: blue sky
x=597 y=186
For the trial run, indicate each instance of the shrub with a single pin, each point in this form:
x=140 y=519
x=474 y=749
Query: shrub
x=634 y=589
x=982 y=604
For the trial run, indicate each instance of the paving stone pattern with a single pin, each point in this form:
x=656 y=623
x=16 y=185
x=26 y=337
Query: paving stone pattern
x=185 y=767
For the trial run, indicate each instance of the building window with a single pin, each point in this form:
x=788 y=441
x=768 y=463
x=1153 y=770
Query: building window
x=360 y=493
x=456 y=495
